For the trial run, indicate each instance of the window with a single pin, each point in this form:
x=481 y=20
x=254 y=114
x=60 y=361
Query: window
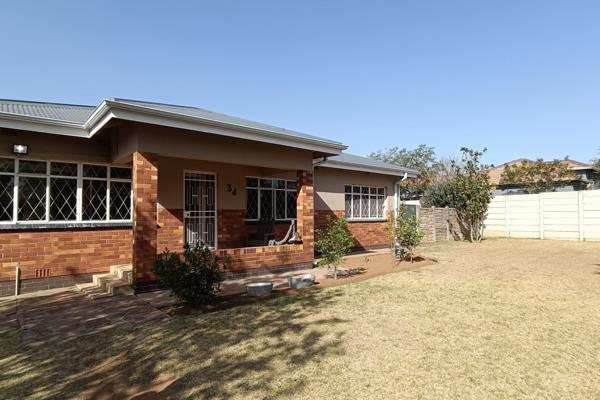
x=364 y=202
x=270 y=198
x=50 y=191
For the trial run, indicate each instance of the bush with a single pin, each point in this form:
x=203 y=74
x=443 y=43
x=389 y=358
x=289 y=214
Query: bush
x=334 y=242
x=194 y=277
x=405 y=234
x=438 y=194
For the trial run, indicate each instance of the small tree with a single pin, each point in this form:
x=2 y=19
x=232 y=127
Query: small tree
x=405 y=234
x=471 y=192
x=537 y=176
x=334 y=242
x=194 y=277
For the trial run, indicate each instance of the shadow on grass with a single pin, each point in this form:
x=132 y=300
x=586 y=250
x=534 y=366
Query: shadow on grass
x=240 y=351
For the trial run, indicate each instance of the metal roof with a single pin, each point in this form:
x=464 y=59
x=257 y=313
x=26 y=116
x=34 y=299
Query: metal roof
x=71 y=113
x=218 y=117
x=83 y=117
x=359 y=163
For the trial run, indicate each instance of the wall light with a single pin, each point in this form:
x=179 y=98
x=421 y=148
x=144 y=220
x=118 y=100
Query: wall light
x=20 y=149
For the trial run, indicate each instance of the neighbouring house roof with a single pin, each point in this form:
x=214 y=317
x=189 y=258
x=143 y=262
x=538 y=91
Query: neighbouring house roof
x=365 y=164
x=85 y=121
x=496 y=172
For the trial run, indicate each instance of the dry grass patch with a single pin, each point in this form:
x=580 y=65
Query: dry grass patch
x=496 y=320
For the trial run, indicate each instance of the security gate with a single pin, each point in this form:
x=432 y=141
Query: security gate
x=199 y=209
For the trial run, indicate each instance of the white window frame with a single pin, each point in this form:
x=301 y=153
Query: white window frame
x=79 y=202
x=273 y=190
x=350 y=216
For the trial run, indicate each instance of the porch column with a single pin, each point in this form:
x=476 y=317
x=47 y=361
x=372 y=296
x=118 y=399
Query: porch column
x=305 y=210
x=145 y=228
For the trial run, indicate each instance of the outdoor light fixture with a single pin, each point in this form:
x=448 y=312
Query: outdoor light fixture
x=20 y=149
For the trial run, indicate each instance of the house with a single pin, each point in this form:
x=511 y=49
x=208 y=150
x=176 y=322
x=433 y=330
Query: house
x=86 y=187
x=585 y=176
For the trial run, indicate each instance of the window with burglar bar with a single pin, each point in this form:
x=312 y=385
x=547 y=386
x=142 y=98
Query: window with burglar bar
x=269 y=198
x=54 y=191
x=364 y=202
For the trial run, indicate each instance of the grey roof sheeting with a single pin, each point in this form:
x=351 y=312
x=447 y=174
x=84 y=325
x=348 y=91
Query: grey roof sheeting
x=82 y=117
x=359 y=163
x=70 y=113
x=218 y=117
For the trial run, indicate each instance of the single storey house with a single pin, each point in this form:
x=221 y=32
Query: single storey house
x=583 y=176
x=86 y=187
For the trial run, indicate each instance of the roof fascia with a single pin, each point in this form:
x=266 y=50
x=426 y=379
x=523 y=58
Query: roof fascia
x=366 y=168
x=110 y=109
x=36 y=124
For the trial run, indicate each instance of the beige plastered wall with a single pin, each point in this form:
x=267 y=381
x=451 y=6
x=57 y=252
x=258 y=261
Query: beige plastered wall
x=330 y=182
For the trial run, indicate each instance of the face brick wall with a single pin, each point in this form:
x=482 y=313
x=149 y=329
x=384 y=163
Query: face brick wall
x=366 y=234
x=63 y=252
x=170 y=229
x=145 y=215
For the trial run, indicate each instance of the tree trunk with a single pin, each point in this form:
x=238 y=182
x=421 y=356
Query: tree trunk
x=335 y=272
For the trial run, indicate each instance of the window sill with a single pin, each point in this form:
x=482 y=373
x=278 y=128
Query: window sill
x=275 y=222
x=350 y=220
x=64 y=226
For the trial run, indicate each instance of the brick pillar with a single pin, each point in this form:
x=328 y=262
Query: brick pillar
x=145 y=228
x=305 y=210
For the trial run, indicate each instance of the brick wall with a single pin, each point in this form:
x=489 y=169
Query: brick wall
x=439 y=224
x=59 y=253
x=170 y=229
x=145 y=215
x=367 y=234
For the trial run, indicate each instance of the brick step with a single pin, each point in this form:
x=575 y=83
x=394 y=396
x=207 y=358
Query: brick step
x=117 y=282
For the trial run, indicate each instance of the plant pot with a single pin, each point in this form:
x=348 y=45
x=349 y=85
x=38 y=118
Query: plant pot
x=259 y=289
x=301 y=281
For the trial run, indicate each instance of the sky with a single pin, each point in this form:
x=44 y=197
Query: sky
x=521 y=78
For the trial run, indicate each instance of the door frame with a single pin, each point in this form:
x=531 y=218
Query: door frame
x=192 y=171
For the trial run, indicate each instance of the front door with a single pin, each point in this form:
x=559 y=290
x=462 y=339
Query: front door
x=200 y=208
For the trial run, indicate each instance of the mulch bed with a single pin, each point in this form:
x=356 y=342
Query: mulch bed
x=353 y=269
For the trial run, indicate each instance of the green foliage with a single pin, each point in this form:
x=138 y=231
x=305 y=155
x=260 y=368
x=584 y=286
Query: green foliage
x=471 y=192
x=194 y=277
x=537 y=176
x=405 y=233
x=423 y=159
x=438 y=194
x=334 y=242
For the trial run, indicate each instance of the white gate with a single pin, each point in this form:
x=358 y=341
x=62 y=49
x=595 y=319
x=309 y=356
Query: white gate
x=200 y=208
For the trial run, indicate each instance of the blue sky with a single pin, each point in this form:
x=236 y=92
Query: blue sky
x=519 y=77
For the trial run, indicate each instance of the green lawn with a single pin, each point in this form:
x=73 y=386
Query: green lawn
x=502 y=319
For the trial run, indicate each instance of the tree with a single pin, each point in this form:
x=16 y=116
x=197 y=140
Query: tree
x=405 y=234
x=438 y=194
x=537 y=176
x=423 y=159
x=333 y=243
x=471 y=192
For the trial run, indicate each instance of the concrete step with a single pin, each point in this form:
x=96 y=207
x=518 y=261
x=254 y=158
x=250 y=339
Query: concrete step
x=117 y=282
x=82 y=286
x=123 y=271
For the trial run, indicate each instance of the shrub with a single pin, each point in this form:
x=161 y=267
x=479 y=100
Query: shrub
x=405 y=234
x=194 y=277
x=334 y=242
x=438 y=194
